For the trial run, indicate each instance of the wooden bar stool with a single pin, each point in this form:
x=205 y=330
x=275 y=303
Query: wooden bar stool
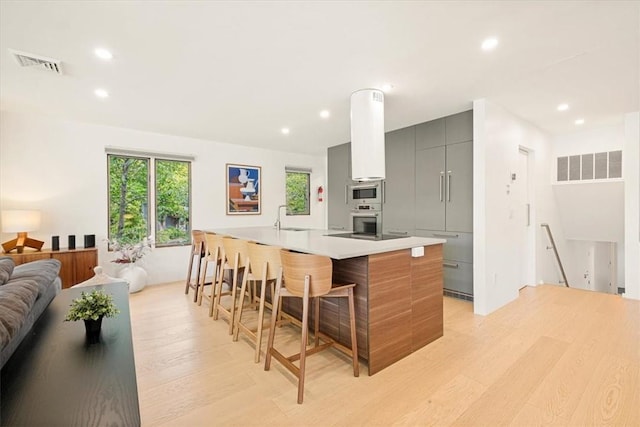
x=197 y=251
x=309 y=276
x=236 y=253
x=263 y=265
x=213 y=255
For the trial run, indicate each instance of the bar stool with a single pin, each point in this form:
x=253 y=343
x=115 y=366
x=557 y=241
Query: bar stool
x=309 y=276
x=197 y=250
x=213 y=254
x=263 y=265
x=236 y=252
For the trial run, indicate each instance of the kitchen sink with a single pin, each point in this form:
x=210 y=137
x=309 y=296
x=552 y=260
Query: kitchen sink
x=293 y=229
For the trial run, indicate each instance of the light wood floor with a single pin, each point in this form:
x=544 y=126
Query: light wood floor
x=555 y=356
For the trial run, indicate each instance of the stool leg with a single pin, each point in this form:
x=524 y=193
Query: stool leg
x=203 y=279
x=263 y=289
x=316 y=329
x=234 y=285
x=199 y=255
x=274 y=317
x=214 y=287
x=352 y=324
x=243 y=290
x=186 y=289
x=303 y=341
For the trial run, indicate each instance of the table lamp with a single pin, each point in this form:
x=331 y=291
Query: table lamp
x=21 y=222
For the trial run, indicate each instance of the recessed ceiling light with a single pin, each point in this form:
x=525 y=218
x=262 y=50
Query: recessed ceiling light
x=101 y=93
x=103 y=54
x=563 y=107
x=285 y=131
x=325 y=114
x=489 y=43
x=579 y=122
x=387 y=87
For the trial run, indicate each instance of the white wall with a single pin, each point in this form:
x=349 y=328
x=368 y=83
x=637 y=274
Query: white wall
x=631 y=174
x=59 y=167
x=498 y=135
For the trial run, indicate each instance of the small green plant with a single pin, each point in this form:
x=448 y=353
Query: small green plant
x=92 y=306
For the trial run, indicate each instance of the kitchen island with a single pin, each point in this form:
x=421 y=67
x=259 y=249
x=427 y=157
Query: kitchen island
x=398 y=297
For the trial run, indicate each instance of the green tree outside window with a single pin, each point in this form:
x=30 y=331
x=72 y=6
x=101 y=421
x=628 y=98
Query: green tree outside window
x=297 y=189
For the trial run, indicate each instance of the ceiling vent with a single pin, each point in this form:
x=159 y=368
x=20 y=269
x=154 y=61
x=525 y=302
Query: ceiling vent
x=29 y=60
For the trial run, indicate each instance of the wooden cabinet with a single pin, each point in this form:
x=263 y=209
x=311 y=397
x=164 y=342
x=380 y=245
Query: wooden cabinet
x=399 y=185
x=77 y=264
x=338 y=181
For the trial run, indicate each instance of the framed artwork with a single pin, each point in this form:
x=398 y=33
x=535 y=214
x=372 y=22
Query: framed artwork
x=243 y=190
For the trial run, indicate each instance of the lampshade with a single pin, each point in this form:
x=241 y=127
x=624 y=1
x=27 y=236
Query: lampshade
x=18 y=221
x=367 y=135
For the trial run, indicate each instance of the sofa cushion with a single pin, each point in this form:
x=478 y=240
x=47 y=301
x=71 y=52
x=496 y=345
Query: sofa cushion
x=6 y=269
x=42 y=272
x=16 y=299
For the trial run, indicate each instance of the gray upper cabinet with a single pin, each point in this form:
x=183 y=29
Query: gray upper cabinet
x=339 y=168
x=399 y=185
x=459 y=127
x=430 y=134
x=430 y=206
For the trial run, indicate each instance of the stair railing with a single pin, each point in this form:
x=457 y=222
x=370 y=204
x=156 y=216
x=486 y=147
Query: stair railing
x=555 y=251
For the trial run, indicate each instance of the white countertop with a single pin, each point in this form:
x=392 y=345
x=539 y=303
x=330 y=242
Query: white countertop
x=319 y=243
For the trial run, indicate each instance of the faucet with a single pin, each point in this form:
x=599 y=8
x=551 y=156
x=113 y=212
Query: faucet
x=277 y=224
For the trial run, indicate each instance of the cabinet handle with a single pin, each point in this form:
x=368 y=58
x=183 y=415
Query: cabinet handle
x=455 y=236
x=448 y=186
x=346 y=190
x=384 y=191
x=401 y=233
x=441 y=183
x=528 y=214
x=450 y=265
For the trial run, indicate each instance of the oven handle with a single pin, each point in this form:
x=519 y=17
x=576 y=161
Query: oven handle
x=366 y=215
x=364 y=186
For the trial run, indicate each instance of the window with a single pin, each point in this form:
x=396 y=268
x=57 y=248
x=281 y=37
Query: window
x=133 y=183
x=298 y=184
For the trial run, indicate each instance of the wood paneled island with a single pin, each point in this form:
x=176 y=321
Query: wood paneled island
x=398 y=296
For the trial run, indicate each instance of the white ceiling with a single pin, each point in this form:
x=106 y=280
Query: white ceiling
x=238 y=72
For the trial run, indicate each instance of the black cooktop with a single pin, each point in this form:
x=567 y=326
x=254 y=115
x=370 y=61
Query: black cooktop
x=363 y=236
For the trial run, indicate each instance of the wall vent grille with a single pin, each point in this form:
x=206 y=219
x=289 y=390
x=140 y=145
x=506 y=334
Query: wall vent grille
x=29 y=60
x=589 y=167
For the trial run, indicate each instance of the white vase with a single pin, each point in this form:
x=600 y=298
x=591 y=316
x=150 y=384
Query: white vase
x=135 y=275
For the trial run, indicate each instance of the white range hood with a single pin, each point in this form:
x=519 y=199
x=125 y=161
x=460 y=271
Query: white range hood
x=367 y=135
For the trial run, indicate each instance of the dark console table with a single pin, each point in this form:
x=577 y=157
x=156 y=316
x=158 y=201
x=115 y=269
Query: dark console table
x=55 y=379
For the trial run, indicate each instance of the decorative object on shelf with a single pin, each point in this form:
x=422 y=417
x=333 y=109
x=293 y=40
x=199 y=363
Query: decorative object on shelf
x=99 y=278
x=243 y=189
x=92 y=307
x=55 y=243
x=129 y=253
x=89 y=240
x=72 y=241
x=21 y=222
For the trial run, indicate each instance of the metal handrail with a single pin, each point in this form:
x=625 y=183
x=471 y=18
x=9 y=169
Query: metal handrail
x=555 y=251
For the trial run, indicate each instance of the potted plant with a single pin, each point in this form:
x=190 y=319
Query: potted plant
x=92 y=307
x=128 y=254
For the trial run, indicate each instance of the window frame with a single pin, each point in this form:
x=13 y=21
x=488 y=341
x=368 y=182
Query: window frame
x=307 y=173
x=152 y=159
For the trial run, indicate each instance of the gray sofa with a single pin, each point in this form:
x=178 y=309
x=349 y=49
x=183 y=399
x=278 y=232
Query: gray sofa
x=25 y=291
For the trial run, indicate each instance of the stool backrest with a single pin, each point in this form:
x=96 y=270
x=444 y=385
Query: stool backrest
x=236 y=246
x=264 y=256
x=296 y=266
x=214 y=241
x=197 y=241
